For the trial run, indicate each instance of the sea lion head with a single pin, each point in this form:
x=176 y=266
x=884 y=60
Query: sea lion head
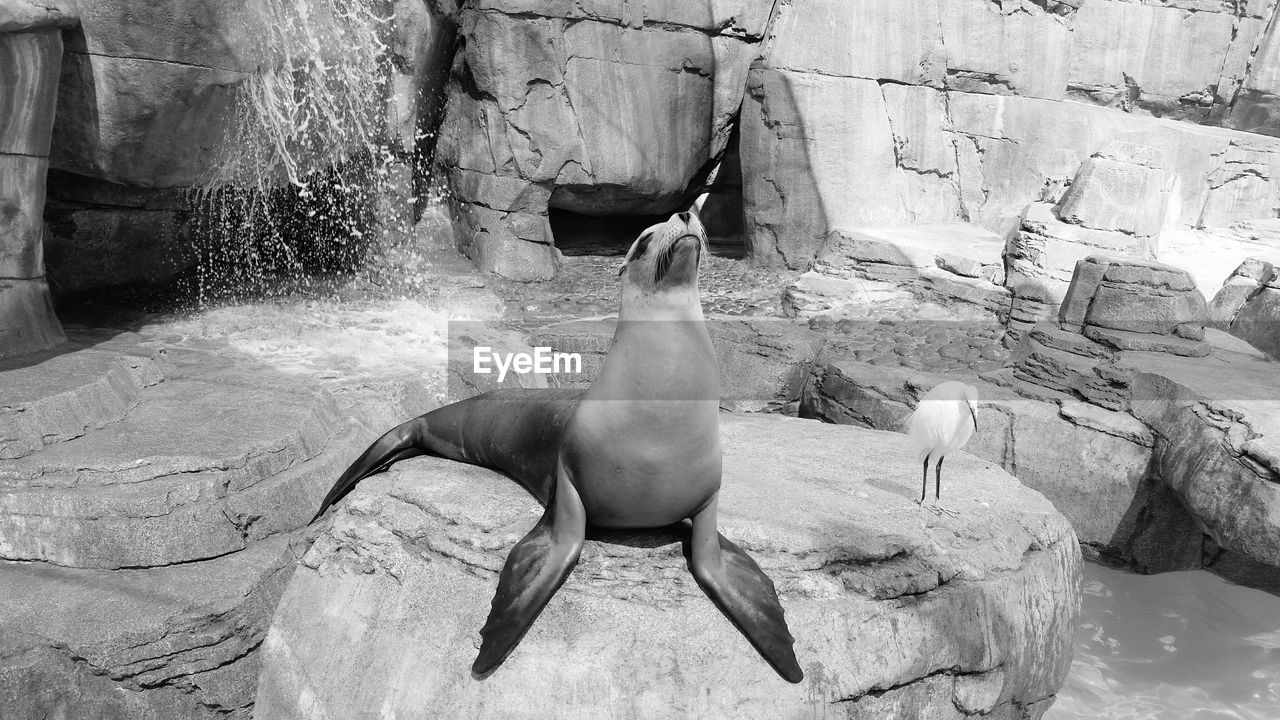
x=666 y=256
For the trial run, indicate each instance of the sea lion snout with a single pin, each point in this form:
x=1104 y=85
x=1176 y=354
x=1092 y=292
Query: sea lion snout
x=692 y=225
x=668 y=253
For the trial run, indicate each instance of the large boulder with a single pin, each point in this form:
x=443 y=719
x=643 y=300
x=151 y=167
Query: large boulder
x=1243 y=283
x=594 y=110
x=1042 y=255
x=1218 y=445
x=1088 y=461
x=896 y=613
x=1258 y=320
x=1136 y=305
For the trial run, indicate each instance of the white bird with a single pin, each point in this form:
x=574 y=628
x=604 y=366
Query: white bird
x=943 y=422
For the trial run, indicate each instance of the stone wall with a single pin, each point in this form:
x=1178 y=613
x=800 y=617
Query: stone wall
x=866 y=113
x=588 y=108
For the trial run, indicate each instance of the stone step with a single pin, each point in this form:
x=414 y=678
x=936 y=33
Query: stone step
x=53 y=397
x=199 y=470
x=174 y=642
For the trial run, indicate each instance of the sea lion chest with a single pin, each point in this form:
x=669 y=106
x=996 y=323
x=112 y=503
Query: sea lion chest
x=643 y=449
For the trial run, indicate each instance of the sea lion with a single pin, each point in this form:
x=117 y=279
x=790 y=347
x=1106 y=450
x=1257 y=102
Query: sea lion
x=639 y=449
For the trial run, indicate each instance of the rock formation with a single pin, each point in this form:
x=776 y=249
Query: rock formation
x=953 y=265
x=149 y=511
x=586 y=108
x=1258 y=318
x=895 y=614
x=30 y=55
x=1154 y=436
x=970 y=110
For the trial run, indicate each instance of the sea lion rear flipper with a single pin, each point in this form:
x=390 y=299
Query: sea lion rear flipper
x=737 y=585
x=534 y=570
x=397 y=444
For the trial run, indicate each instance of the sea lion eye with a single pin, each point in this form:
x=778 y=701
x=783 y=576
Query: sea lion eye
x=638 y=249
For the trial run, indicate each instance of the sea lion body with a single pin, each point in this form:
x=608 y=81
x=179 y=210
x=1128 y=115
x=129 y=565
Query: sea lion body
x=648 y=431
x=640 y=448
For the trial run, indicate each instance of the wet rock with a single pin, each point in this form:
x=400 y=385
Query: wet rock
x=1166 y=537
x=409 y=564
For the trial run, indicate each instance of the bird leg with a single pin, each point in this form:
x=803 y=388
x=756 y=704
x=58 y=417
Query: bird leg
x=937 y=492
x=924 y=487
x=937 y=479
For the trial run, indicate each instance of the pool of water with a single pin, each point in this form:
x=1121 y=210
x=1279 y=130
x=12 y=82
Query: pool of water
x=1185 y=645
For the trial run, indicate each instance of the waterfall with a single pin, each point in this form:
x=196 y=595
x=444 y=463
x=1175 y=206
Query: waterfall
x=306 y=153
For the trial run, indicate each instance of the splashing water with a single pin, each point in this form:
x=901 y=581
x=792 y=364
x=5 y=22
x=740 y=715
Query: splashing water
x=306 y=158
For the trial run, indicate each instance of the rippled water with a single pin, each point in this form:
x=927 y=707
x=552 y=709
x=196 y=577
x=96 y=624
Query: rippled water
x=1176 y=646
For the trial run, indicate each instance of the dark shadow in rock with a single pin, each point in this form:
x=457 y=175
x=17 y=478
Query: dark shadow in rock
x=894 y=488
x=1156 y=534
x=788 y=225
x=602 y=235
x=648 y=538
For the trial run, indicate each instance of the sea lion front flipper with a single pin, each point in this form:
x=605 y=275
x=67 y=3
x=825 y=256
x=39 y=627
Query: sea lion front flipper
x=535 y=569
x=737 y=585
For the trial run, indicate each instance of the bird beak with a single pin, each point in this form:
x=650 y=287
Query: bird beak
x=973 y=413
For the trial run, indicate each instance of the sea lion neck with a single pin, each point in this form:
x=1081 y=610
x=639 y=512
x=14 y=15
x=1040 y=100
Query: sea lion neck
x=647 y=303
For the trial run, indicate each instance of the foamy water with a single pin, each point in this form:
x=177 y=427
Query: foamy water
x=1176 y=646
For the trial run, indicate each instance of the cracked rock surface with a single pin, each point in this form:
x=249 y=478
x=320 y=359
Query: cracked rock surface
x=971 y=109
x=158 y=644
x=896 y=612
x=589 y=107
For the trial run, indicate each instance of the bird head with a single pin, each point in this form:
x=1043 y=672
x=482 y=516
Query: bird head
x=971 y=399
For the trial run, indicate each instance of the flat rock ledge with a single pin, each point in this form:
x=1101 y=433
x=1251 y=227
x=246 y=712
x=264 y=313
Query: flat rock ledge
x=897 y=613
